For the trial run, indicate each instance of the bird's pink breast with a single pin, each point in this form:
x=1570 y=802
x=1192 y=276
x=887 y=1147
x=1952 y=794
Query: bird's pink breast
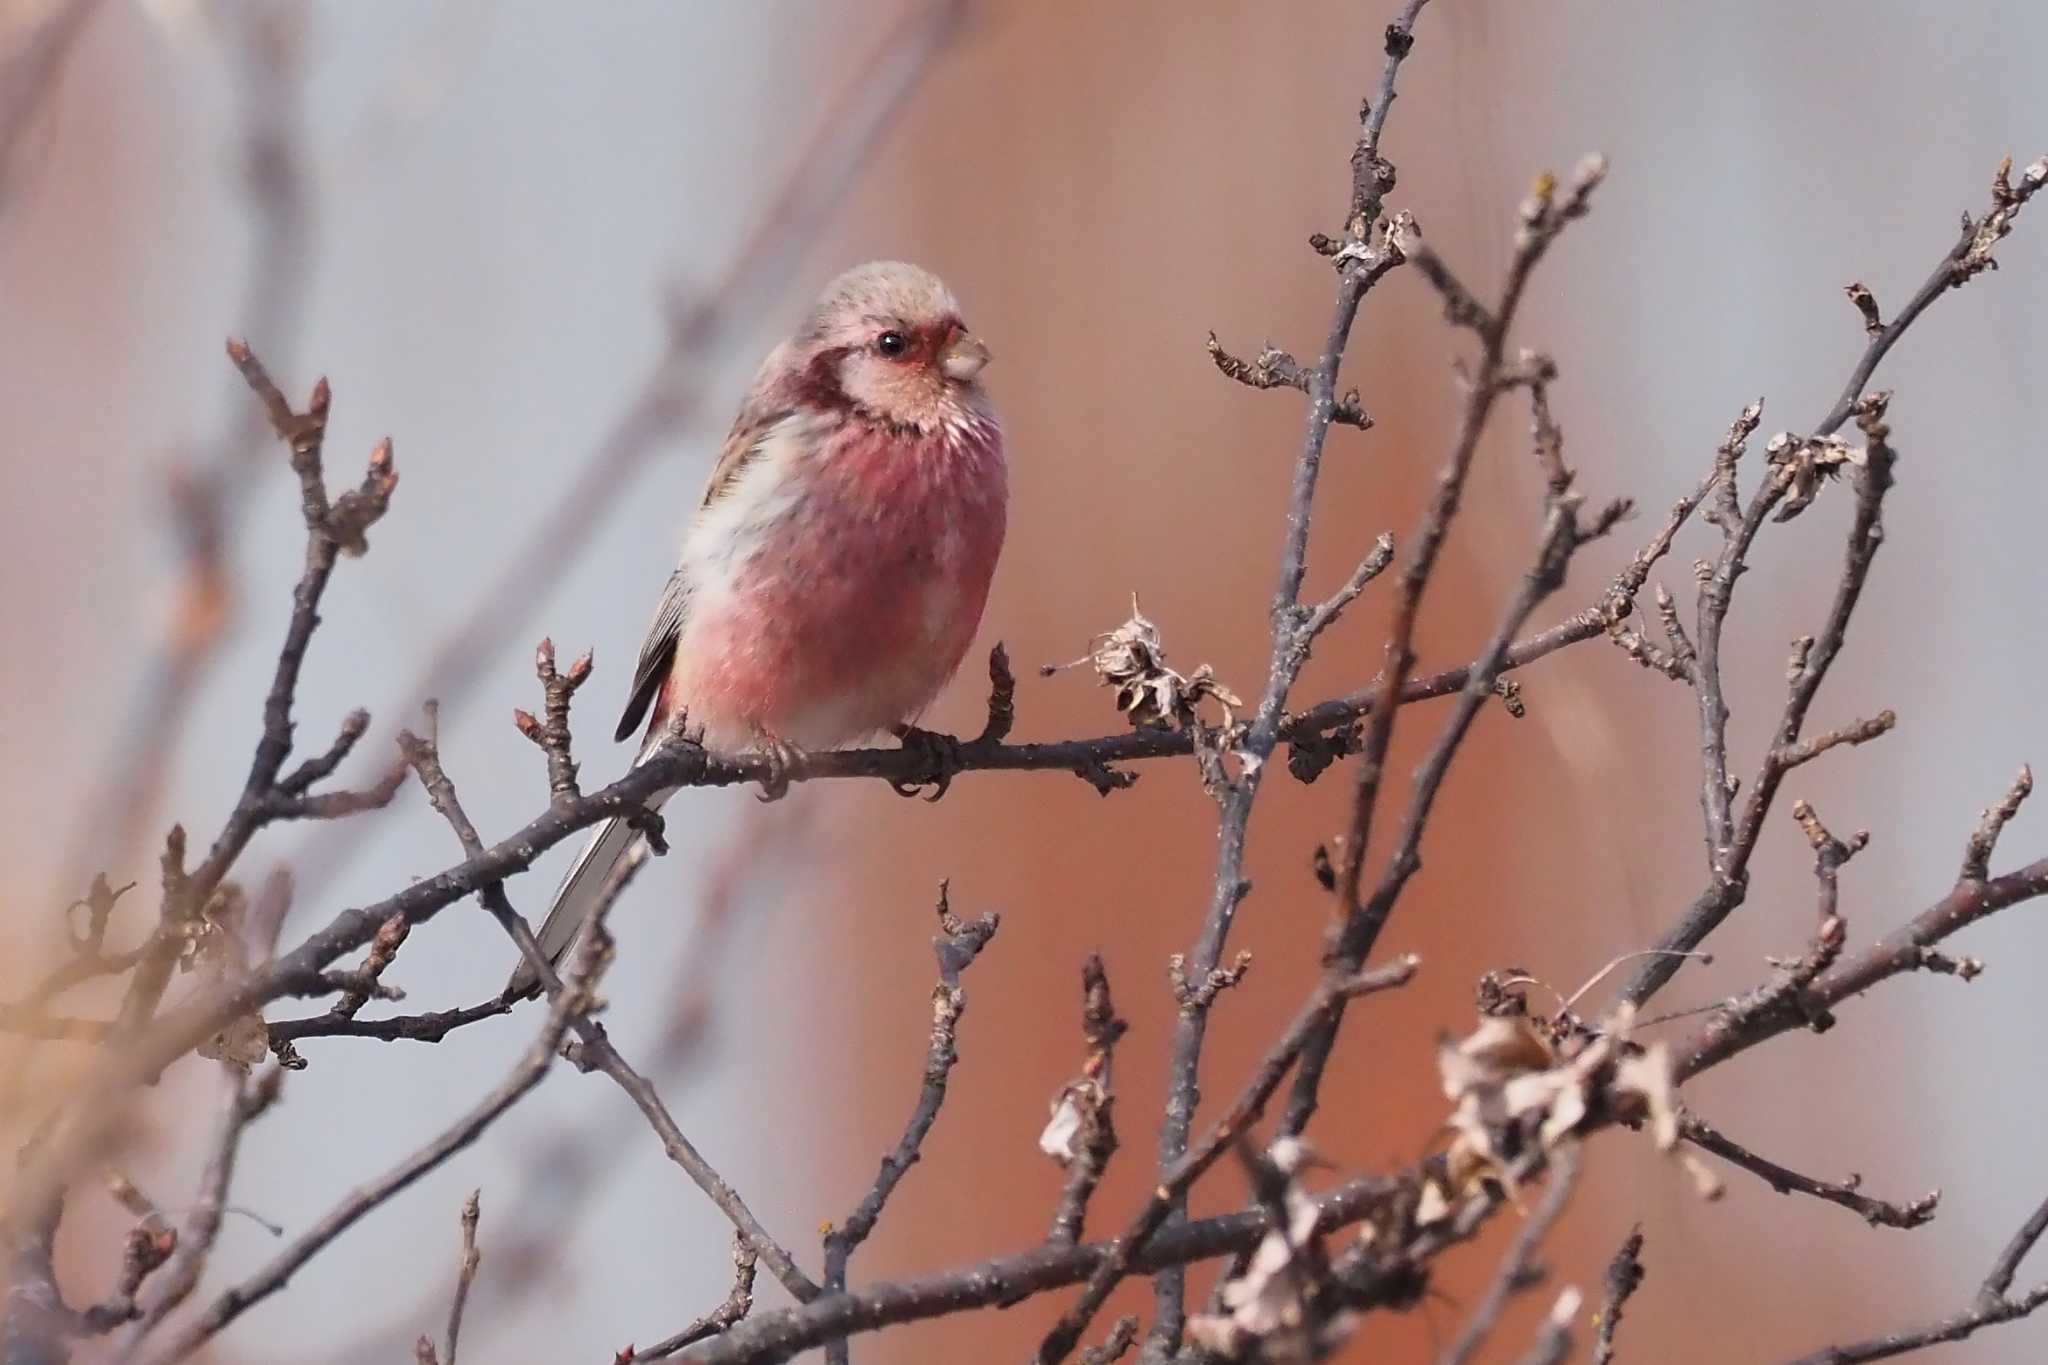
x=852 y=607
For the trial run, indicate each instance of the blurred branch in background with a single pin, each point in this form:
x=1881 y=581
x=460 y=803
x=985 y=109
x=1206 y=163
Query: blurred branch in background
x=700 y=329
x=672 y=398
x=1529 y=1092
x=36 y=39
x=209 y=495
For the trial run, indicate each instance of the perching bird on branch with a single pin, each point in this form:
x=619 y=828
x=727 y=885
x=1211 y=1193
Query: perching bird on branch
x=833 y=576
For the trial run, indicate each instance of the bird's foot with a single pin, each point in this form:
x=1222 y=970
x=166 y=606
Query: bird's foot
x=780 y=756
x=651 y=827
x=940 y=755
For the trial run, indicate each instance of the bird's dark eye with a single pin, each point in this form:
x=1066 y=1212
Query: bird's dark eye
x=892 y=344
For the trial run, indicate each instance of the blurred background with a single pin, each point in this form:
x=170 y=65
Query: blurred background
x=496 y=229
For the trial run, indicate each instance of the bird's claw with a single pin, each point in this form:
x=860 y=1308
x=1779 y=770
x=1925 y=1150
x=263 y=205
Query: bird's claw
x=652 y=828
x=780 y=758
x=941 y=760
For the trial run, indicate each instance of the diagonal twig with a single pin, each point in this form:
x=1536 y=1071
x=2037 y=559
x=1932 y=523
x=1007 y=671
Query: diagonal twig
x=1876 y=1212
x=959 y=943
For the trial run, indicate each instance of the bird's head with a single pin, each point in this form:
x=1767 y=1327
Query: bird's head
x=886 y=338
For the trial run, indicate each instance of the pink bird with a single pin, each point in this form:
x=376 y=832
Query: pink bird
x=835 y=571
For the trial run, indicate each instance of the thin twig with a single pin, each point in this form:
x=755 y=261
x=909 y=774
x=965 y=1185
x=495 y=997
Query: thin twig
x=1984 y=839
x=1768 y=1013
x=778 y=1336
x=739 y=1301
x=1091 y=1099
x=1999 y=1280
x=1368 y=252
x=430 y=1027
x=596 y=1052
x=1357 y=922
x=514 y=1087
x=1554 y=1335
x=1993 y=1305
x=567 y=1167
x=332 y=527
x=465 y=1276
x=1624 y=1276
x=1730 y=842
x=209 y=500
x=1115 y=1346
x=1518 y=1269
x=958 y=944
x=29 y=72
x=1275 y=369
x=1218 y=1138
x=1544 y=218
x=1876 y=1212
x=551 y=730
x=241 y=1102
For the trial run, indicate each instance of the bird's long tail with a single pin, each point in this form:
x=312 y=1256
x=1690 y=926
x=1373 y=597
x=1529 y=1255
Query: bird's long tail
x=578 y=895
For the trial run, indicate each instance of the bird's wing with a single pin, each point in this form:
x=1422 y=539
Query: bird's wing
x=767 y=403
x=657 y=653
x=763 y=411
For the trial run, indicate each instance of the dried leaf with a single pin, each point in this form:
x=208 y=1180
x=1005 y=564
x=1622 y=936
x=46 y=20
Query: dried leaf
x=214 y=948
x=1512 y=1085
x=243 y=1043
x=1132 y=659
x=1706 y=1182
x=1647 y=1076
x=1433 y=1207
x=1807 y=464
x=1061 y=1139
x=1273 y=1313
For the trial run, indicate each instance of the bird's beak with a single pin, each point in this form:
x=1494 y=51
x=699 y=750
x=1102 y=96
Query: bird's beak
x=963 y=357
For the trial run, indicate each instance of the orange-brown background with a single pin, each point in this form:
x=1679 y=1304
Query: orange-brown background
x=1102 y=186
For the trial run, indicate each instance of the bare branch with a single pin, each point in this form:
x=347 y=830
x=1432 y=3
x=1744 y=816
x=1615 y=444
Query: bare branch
x=1368 y=251
x=1579 y=1076
x=1221 y=1134
x=739 y=1302
x=465 y=1276
x=959 y=943
x=773 y=1337
x=1866 y=304
x=1999 y=1280
x=242 y=1102
x=1729 y=843
x=551 y=731
x=1984 y=839
x=514 y=1087
x=1275 y=369
x=1554 y=1336
x=1002 y=698
x=1121 y=1338
x=1970 y=256
x=1330 y=608
x=1784 y=1180
x=1356 y=921
x=1855 y=732
x=595 y=1050
x=1992 y=1306
x=1518 y=1269
x=1082 y=1133
x=430 y=1027
x=331 y=529
x=1751 y=1020
x=1624 y=1277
